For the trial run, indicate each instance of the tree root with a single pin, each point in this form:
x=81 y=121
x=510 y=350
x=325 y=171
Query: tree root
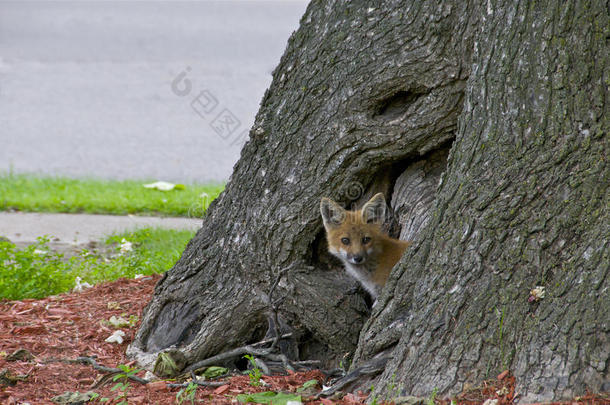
x=201 y=383
x=372 y=367
x=266 y=353
x=270 y=359
x=110 y=371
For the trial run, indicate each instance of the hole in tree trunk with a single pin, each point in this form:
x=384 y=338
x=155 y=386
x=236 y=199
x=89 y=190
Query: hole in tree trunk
x=242 y=364
x=311 y=348
x=396 y=104
x=410 y=186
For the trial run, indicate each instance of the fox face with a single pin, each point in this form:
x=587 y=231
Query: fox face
x=356 y=238
x=352 y=235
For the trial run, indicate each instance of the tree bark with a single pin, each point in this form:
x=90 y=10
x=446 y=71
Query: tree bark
x=524 y=203
x=368 y=99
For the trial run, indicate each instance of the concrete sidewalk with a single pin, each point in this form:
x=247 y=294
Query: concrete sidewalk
x=76 y=229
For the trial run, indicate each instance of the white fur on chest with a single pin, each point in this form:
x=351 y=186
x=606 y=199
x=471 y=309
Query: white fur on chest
x=363 y=278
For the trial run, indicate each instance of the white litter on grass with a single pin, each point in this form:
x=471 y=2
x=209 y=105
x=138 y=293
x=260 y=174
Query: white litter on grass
x=126 y=246
x=79 y=285
x=161 y=185
x=116 y=337
x=137 y=276
x=164 y=186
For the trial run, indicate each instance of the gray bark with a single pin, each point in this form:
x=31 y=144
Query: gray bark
x=524 y=202
x=328 y=125
x=368 y=98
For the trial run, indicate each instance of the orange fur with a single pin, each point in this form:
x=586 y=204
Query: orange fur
x=356 y=238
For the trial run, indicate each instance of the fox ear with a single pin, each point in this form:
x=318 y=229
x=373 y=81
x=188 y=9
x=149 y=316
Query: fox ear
x=374 y=210
x=332 y=213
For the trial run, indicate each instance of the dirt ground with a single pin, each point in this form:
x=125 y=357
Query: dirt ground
x=61 y=328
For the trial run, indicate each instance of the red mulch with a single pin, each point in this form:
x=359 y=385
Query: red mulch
x=68 y=326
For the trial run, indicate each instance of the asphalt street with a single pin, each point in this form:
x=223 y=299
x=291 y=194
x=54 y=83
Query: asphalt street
x=114 y=89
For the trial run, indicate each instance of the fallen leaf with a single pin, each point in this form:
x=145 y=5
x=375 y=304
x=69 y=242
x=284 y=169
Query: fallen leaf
x=76 y=397
x=126 y=246
x=7 y=378
x=157 y=386
x=116 y=337
x=118 y=322
x=221 y=390
x=352 y=399
x=20 y=355
x=80 y=286
x=113 y=305
x=31 y=330
x=215 y=371
x=307 y=384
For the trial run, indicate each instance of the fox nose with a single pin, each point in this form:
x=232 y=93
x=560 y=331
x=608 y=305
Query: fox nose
x=358 y=259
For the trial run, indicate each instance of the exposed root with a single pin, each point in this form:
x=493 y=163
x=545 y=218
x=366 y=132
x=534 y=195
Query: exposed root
x=110 y=371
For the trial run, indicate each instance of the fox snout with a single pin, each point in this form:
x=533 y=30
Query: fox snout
x=356 y=258
x=349 y=257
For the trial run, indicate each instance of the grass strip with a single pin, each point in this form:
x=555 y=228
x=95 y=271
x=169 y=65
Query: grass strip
x=25 y=192
x=36 y=271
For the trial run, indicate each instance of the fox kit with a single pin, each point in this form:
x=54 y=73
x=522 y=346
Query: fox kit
x=356 y=238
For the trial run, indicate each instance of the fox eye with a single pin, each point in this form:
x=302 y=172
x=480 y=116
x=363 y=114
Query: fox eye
x=345 y=241
x=366 y=240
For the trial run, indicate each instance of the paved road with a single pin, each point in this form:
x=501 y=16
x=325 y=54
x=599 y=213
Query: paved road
x=86 y=86
x=76 y=229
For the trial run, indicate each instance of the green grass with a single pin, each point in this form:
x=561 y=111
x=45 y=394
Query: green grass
x=32 y=193
x=36 y=271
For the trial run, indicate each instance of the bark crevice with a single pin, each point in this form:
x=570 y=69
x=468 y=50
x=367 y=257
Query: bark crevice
x=397 y=104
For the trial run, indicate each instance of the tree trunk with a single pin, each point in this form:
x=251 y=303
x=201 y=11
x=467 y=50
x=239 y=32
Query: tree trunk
x=367 y=99
x=523 y=203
